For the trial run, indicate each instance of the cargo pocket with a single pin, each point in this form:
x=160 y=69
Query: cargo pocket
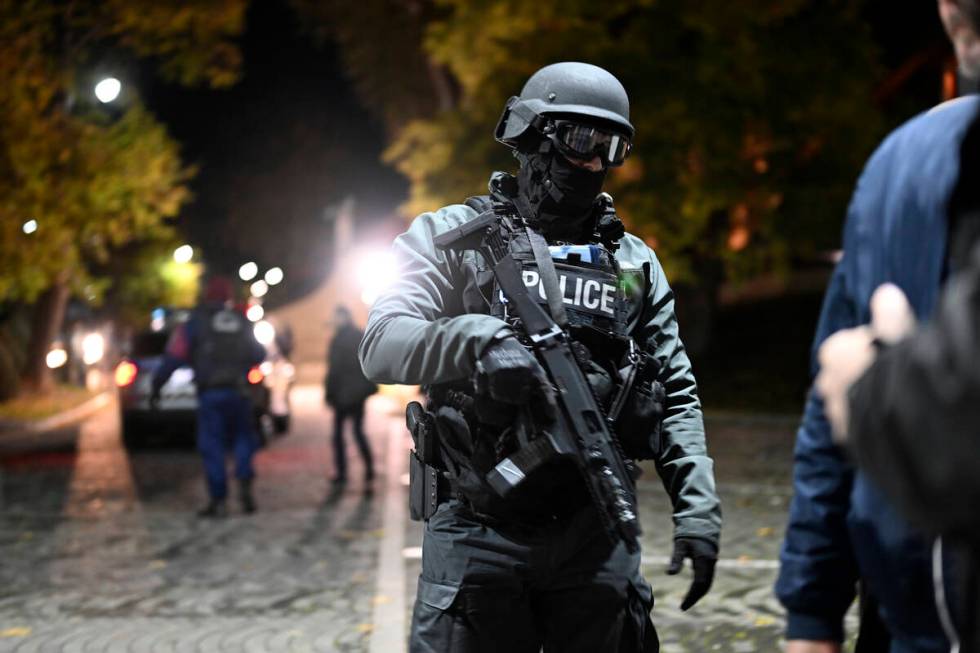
x=639 y=634
x=436 y=626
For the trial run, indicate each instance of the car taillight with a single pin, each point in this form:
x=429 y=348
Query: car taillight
x=255 y=376
x=126 y=373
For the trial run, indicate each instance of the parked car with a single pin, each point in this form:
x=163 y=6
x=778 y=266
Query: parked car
x=176 y=410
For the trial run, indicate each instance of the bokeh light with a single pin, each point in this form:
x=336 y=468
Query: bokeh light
x=184 y=254
x=265 y=333
x=248 y=271
x=259 y=288
x=273 y=276
x=108 y=89
x=56 y=357
x=93 y=348
x=376 y=271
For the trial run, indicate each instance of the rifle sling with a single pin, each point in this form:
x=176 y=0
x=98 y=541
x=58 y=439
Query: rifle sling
x=549 y=277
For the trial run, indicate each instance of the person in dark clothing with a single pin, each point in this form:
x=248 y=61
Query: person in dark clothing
x=537 y=568
x=909 y=411
x=905 y=230
x=219 y=344
x=346 y=391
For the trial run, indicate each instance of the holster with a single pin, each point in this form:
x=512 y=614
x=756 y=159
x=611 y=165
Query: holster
x=428 y=485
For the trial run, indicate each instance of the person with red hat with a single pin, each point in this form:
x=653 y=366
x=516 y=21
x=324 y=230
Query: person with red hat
x=218 y=343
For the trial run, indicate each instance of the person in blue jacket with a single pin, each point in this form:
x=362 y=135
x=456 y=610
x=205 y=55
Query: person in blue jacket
x=219 y=344
x=842 y=528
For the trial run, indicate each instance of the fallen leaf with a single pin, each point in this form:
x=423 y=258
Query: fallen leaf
x=16 y=631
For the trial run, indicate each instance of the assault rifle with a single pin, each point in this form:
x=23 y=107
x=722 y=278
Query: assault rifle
x=579 y=432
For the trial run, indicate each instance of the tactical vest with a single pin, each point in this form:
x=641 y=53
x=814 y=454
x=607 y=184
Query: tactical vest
x=222 y=348
x=594 y=298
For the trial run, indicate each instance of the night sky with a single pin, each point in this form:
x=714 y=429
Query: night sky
x=276 y=151
x=291 y=139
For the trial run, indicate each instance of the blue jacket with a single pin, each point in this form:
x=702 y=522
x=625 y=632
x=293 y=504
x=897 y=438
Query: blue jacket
x=841 y=527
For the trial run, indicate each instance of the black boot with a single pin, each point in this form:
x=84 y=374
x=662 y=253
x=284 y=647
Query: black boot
x=248 y=501
x=216 y=509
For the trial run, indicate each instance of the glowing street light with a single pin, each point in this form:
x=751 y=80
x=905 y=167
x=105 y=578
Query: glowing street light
x=30 y=226
x=108 y=89
x=376 y=272
x=259 y=288
x=56 y=357
x=93 y=348
x=255 y=312
x=273 y=276
x=248 y=271
x=184 y=254
x=265 y=333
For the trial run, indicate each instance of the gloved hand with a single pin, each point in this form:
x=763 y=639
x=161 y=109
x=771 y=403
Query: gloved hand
x=703 y=555
x=508 y=373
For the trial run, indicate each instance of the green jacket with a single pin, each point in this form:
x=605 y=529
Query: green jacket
x=433 y=323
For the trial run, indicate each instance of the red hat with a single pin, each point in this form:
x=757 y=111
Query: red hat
x=219 y=289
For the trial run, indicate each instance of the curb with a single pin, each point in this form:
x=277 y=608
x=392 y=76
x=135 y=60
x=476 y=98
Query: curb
x=60 y=420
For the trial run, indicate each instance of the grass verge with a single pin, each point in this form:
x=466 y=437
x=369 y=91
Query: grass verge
x=28 y=408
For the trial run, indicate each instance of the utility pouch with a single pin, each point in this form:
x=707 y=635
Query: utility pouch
x=427 y=484
x=639 y=418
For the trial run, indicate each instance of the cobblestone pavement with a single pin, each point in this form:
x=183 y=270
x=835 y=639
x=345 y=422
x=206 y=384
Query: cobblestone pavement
x=753 y=461
x=100 y=551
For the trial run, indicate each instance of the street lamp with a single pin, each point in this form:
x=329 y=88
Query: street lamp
x=248 y=271
x=255 y=312
x=30 y=226
x=108 y=89
x=259 y=288
x=184 y=254
x=273 y=276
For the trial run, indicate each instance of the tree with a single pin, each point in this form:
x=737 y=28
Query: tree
x=94 y=180
x=752 y=117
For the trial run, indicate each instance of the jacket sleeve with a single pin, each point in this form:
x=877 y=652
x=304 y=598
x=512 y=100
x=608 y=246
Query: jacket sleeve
x=176 y=353
x=417 y=332
x=915 y=414
x=684 y=466
x=818 y=572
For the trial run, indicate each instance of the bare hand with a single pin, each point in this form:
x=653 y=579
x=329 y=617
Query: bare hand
x=891 y=316
x=843 y=358
x=807 y=646
x=847 y=354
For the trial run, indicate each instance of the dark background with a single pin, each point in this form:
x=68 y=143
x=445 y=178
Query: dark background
x=281 y=149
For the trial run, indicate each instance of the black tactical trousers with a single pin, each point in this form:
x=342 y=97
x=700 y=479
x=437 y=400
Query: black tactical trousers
x=563 y=587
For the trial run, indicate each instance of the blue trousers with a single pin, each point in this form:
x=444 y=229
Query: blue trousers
x=224 y=418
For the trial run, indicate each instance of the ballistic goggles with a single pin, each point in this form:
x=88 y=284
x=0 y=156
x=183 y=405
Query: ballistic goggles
x=581 y=141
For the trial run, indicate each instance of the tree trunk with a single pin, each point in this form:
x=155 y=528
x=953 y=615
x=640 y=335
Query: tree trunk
x=49 y=313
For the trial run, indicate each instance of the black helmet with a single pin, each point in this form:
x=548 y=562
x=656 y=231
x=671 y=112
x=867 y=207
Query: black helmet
x=570 y=91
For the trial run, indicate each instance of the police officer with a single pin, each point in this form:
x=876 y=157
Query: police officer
x=536 y=569
x=219 y=344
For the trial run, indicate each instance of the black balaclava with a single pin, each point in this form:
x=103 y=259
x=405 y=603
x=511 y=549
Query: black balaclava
x=555 y=196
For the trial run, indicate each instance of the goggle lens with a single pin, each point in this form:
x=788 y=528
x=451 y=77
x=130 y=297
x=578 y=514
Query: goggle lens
x=586 y=141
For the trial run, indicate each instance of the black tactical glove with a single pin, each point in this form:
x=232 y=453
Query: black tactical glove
x=703 y=555
x=508 y=373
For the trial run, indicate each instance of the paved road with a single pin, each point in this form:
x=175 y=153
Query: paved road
x=100 y=551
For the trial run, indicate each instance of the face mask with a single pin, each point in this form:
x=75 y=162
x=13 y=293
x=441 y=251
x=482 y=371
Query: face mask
x=558 y=196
